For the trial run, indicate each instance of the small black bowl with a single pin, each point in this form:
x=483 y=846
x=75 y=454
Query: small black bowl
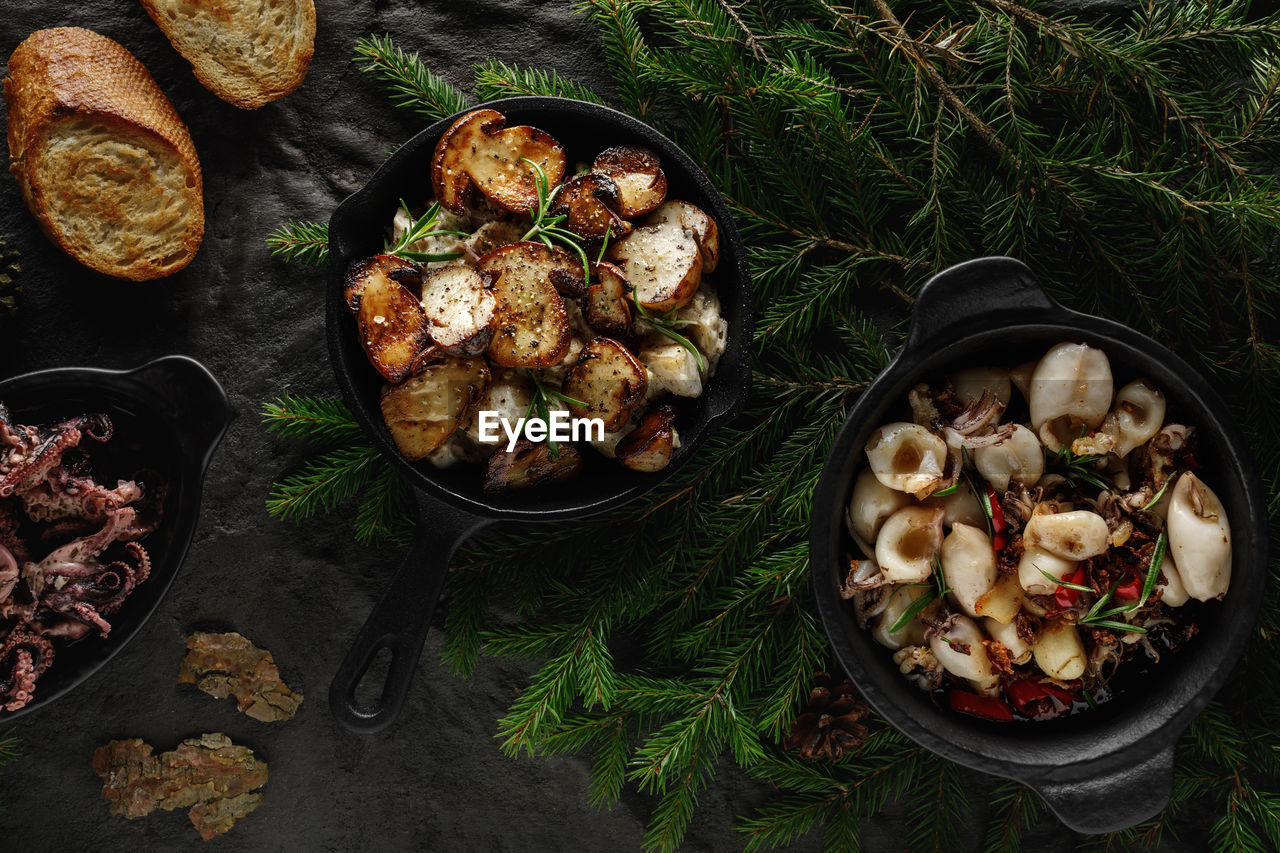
x=169 y=415
x=1105 y=768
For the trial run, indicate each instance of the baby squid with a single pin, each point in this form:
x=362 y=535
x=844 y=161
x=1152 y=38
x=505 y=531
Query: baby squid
x=1071 y=387
x=908 y=542
x=1136 y=416
x=1199 y=538
x=1034 y=563
x=907 y=457
x=1002 y=602
x=1075 y=535
x=910 y=634
x=1059 y=651
x=1172 y=592
x=1006 y=634
x=871 y=504
x=969 y=565
x=961 y=506
x=960 y=651
x=1017 y=457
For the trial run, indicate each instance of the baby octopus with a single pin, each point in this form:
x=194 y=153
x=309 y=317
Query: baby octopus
x=61 y=569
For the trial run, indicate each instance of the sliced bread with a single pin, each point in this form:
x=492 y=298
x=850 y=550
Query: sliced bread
x=100 y=155
x=247 y=52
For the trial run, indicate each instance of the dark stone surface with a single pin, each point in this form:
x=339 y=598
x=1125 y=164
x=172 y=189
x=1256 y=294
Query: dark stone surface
x=437 y=779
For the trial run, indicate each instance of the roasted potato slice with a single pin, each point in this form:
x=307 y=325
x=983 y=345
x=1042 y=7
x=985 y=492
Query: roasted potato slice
x=528 y=464
x=663 y=262
x=531 y=328
x=608 y=302
x=459 y=310
x=692 y=218
x=637 y=172
x=649 y=446
x=424 y=410
x=609 y=379
x=391 y=324
x=587 y=202
x=479 y=151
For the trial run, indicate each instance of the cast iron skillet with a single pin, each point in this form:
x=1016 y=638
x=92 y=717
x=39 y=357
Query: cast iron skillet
x=169 y=415
x=1110 y=767
x=450 y=502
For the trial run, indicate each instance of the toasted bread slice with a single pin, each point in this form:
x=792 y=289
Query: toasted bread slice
x=246 y=53
x=102 y=159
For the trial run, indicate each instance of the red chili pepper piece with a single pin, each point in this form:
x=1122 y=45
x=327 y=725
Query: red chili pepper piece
x=1035 y=699
x=998 y=539
x=1065 y=596
x=1131 y=589
x=986 y=707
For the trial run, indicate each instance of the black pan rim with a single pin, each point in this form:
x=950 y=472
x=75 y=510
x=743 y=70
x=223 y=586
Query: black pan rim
x=986 y=746
x=418 y=147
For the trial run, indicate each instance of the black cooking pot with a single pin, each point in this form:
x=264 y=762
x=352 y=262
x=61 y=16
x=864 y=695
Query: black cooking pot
x=451 y=505
x=169 y=415
x=1112 y=766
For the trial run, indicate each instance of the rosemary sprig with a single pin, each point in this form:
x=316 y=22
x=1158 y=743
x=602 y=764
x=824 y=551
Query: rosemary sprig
x=1077 y=467
x=665 y=325
x=949 y=490
x=913 y=610
x=1155 y=499
x=936 y=590
x=545 y=228
x=419 y=229
x=301 y=242
x=539 y=406
x=1100 y=618
x=1063 y=581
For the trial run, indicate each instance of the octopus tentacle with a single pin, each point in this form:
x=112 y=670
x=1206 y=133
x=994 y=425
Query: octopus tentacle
x=24 y=657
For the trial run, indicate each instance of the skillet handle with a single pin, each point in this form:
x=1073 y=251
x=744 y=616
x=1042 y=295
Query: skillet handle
x=400 y=620
x=973 y=290
x=1111 y=801
x=195 y=400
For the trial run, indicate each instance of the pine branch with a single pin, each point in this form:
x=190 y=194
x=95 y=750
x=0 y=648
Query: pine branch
x=386 y=509
x=407 y=80
x=495 y=79
x=323 y=482
x=318 y=420
x=301 y=242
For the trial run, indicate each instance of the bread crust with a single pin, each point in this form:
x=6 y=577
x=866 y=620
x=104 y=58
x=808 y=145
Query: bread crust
x=68 y=74
x=247 y=83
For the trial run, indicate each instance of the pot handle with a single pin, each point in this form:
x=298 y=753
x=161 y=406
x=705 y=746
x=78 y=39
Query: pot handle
x=972 y=290
x=1111 y=801
x=400 y=620
x=195 y=399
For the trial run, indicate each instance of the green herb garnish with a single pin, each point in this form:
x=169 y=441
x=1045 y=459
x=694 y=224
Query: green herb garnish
x=419 y=229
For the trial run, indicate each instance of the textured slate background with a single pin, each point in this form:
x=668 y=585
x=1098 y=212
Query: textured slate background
x=437 y=779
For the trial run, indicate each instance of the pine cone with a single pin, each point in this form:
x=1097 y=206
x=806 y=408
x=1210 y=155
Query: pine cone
x=831 y=725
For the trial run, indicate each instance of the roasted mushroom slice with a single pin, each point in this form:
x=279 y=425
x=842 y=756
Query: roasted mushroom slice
x=529 y=464
x=692 y=219
x=609 y=380
x=459 y=310
x=426 y=409
x=392 y=327
x=649 y=446
x=638 y=175
x=530 y=326
x=479 y=151
x=663 y=262
x=608 y=303
x=586 y=201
